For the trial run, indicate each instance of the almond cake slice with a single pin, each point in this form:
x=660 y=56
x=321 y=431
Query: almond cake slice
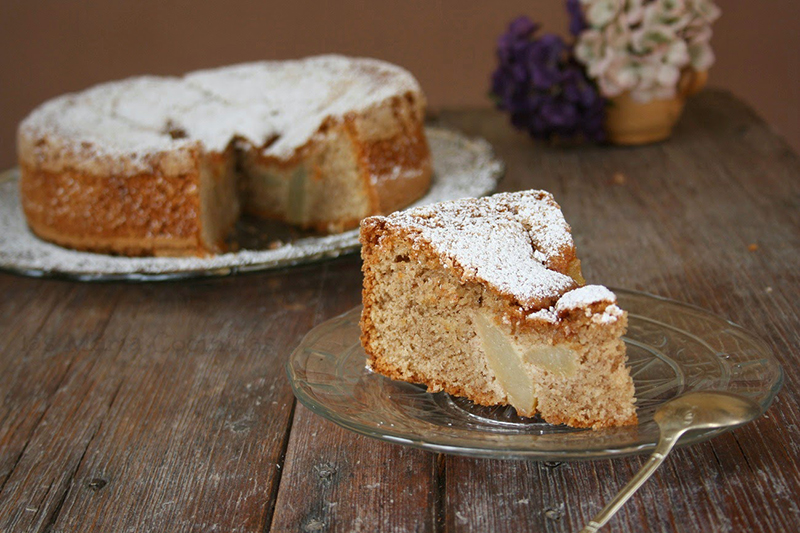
x=484 y=299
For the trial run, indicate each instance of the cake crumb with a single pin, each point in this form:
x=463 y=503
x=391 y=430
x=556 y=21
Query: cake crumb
x=618 y=178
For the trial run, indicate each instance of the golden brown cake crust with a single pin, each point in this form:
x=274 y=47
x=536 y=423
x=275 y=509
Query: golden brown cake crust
x=86 y=212
x=399 y=167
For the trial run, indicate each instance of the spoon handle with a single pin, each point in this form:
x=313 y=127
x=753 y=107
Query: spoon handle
x=664 y=446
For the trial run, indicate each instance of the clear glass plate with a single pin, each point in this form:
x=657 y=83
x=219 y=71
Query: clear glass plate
x=673 y=348
x=461 y=167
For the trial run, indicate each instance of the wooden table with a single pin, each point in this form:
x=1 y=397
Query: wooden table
x=165 y=406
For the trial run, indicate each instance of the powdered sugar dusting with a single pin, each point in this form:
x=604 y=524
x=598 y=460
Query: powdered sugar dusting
x=507 y=241
x=546 y=314
x=581 y=298
x=585 y=296
x=462 y=167
x=294 y=97
x=136 y=119
x=611 y=314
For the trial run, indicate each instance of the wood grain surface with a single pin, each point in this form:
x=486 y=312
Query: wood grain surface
x=165 y=406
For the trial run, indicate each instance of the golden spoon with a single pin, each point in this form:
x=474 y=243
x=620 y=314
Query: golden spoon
x=694 y=410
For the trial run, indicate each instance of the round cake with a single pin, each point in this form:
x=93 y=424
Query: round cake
x=165 y=166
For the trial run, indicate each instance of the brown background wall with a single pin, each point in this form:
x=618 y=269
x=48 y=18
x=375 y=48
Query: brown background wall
x=48 y=47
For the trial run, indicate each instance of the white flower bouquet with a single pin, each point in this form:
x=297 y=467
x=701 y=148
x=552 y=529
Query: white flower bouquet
x=643 y=46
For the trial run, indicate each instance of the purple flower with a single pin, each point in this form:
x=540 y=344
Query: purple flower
x=560 y=113
x=512 y=44
x=541 y=86
x=544 y=58
x=577 y=22
x=522 y=27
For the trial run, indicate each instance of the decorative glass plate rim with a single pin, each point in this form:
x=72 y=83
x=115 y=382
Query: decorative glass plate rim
x=486 y=170
x=438 y=445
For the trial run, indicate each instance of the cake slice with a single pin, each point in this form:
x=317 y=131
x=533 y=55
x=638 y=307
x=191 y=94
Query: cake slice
x=484 y=298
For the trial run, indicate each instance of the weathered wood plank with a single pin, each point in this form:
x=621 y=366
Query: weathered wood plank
x=40 y=356
x=194 y=439
x=336 y=481
x=177 y=416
